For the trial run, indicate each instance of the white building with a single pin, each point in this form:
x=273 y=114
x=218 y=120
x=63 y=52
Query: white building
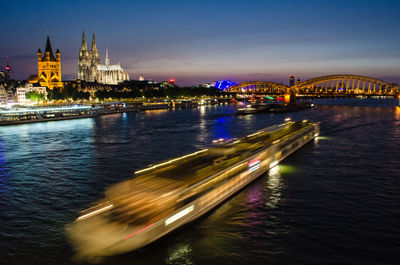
x=20 y=93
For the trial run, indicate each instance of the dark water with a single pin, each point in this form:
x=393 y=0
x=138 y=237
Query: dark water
x=335 y=201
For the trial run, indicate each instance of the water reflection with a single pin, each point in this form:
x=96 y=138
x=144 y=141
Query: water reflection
x=221 y=129
x=274 y=185
x=2 y=165
x=156 y=112
x=181 y=254
x=397 y=113
x=202 y=135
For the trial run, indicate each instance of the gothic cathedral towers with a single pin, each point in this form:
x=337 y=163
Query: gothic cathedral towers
x=88 y=60
x=91 y=70
x=49 y=67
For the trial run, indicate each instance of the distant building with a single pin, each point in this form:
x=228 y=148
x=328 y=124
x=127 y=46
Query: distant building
x=2 y=75
x=20 y=93
x=49 y=68
x=90 y=69
x=206 y=85
x=10 y=95
x=224 y=84
x=3 y=95
x=141 y=77
x=298 y=81
x=291 y=80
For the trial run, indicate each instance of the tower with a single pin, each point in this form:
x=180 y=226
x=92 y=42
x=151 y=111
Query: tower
x=49 y=67
x=84 y=61
x=291 y=80
x=94 y=52
x=107 y=61
x=7 y=69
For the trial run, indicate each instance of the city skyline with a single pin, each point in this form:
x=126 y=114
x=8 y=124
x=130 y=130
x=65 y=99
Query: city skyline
x=195 y=42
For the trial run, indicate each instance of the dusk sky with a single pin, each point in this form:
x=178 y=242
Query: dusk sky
x=205 y=41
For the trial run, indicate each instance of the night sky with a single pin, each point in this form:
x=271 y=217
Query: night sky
x=204 y=41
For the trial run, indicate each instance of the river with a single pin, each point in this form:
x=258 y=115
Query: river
x=335 y=201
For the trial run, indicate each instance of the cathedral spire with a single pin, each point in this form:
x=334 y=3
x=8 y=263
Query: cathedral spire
x=107 y=58
x=83 y=46
x=94 y=47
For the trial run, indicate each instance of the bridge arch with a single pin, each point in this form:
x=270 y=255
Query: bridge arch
x=346 y=83
x=259 y=87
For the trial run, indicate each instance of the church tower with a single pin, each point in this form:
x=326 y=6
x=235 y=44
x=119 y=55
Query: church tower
x=95 y=52
x=49 y=67
x=95 y=60
x=84 y=61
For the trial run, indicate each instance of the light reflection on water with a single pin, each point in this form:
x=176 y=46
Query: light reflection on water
x=274 y=184
x=180 y=254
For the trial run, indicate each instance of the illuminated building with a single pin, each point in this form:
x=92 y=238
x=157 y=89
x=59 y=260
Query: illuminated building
x=10 y=95
x=90 y=69
x=3 y=95
x=224 y=84
x=141 y=77
x=49 y=67
x=2 y=76
x=291 y=80
x=20 y=93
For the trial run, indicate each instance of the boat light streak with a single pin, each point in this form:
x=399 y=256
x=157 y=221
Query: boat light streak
x=179 y=215
x=275 y=142
x=170 y=161
x=137 y=232
x=253 y=134
x=273 y=164
x=254 y=168
x=94 y=212
x=254 y=162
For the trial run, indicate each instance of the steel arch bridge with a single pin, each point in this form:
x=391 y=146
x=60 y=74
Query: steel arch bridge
x=258 y=87
x=345 y=83
x=328 y=84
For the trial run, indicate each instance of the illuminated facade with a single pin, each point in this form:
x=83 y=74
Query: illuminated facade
x=90 y=69
x=21 y=92
x=49 y=67
x=224 y=84
x=3 y=95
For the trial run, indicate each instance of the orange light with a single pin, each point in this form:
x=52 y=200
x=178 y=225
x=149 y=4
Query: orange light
x=287 y=98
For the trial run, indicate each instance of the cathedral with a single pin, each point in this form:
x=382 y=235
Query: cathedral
x=49 y=67
x=90 y=69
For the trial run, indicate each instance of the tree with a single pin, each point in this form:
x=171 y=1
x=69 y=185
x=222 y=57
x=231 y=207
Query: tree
x=34 y=96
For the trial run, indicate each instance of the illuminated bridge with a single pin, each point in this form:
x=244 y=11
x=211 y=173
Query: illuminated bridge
x=328 y=84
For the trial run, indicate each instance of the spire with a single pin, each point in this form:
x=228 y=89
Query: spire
x=83 y=46
x=49 y=49
x=107 y=58
x=94 y=47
